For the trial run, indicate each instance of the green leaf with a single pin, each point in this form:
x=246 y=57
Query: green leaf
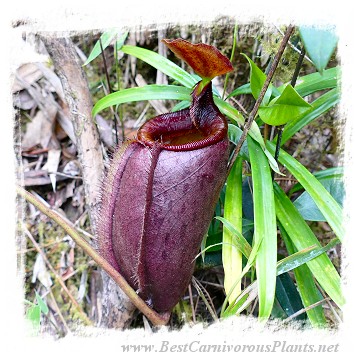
x=303 y=256
x=234 y=134
x=287 y=107
x=320 y=44
x=231 y=256
x=331 y=173
x=319 y=106
x=238 y=239
x=302 y=237
x=264 y=228
x=244 y=89
x=314 y=82
x=288 y=296
x=257 y=80
x=254 y=131
x=210 y=260
x=309 y=210
x=161 y=63
x=324 y=201
x=42 y=304
x=33 y=315
x=148 y=92
x=106 y=39
x=306 y=286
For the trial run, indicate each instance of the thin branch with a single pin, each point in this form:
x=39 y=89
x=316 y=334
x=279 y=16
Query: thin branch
x=253 y=113
x=152 y=315
x=294 y=47
x=192 y=305
x=305 y=309
x=280 y=128
x=58 y=278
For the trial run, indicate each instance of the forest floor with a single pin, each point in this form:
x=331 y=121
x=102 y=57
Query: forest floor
x=48 y=165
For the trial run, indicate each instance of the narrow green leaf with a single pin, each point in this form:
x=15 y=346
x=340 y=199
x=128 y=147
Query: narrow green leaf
x=106 y=39
x=302 y=237
x=288 y=296
x=161 y=63
x=234 y=134
x=243 y=89
x=42 y=304
x=307 y=207
x=285 y=108
x=246 y=89
x=303 y=256
x=319 y=106
x=148 y=92
x=238 y=239
x=320 y=43
x=251 y=261
x=231 y=256
x=120 y=41
x=295 y=260
x=314 y=82
x=254 y=131
x=257 y=80
x=264 y=229
x=331 y=173
x=322 y=198
x=306 y=286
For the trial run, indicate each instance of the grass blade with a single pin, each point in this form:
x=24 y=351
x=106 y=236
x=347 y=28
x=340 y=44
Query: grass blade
x=302 y=237
x=331 y=173
x=231 y=256
x=238 y=239
x=264 y=229
x=303 y=256
x=161 y=63
x=322 y=198
x=106 y=39
x=306 y=286
x=149 y=92
x=288 y=296
x=320 y=106
x=314 y=82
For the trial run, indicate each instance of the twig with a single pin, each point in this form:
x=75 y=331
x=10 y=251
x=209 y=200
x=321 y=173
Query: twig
x=201 y=292
x=252 y=115
x=58 y=278
x=305 y=309
x=78 y=97
x=294 y=47
x=58 y=310
x=192 y=305
x=281 y=127
x=152 y=315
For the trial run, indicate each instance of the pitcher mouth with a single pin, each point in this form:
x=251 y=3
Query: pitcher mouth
x=199 y=126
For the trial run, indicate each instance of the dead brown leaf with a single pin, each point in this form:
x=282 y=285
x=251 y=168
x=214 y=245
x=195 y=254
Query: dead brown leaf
x=28 y=74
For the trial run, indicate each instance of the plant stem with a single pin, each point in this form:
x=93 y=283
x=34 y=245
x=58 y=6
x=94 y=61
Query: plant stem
x=280 y=129
x=235 y=33
x=153 y=316
x=298 y=67
x=109 y=86
x=253 y=113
